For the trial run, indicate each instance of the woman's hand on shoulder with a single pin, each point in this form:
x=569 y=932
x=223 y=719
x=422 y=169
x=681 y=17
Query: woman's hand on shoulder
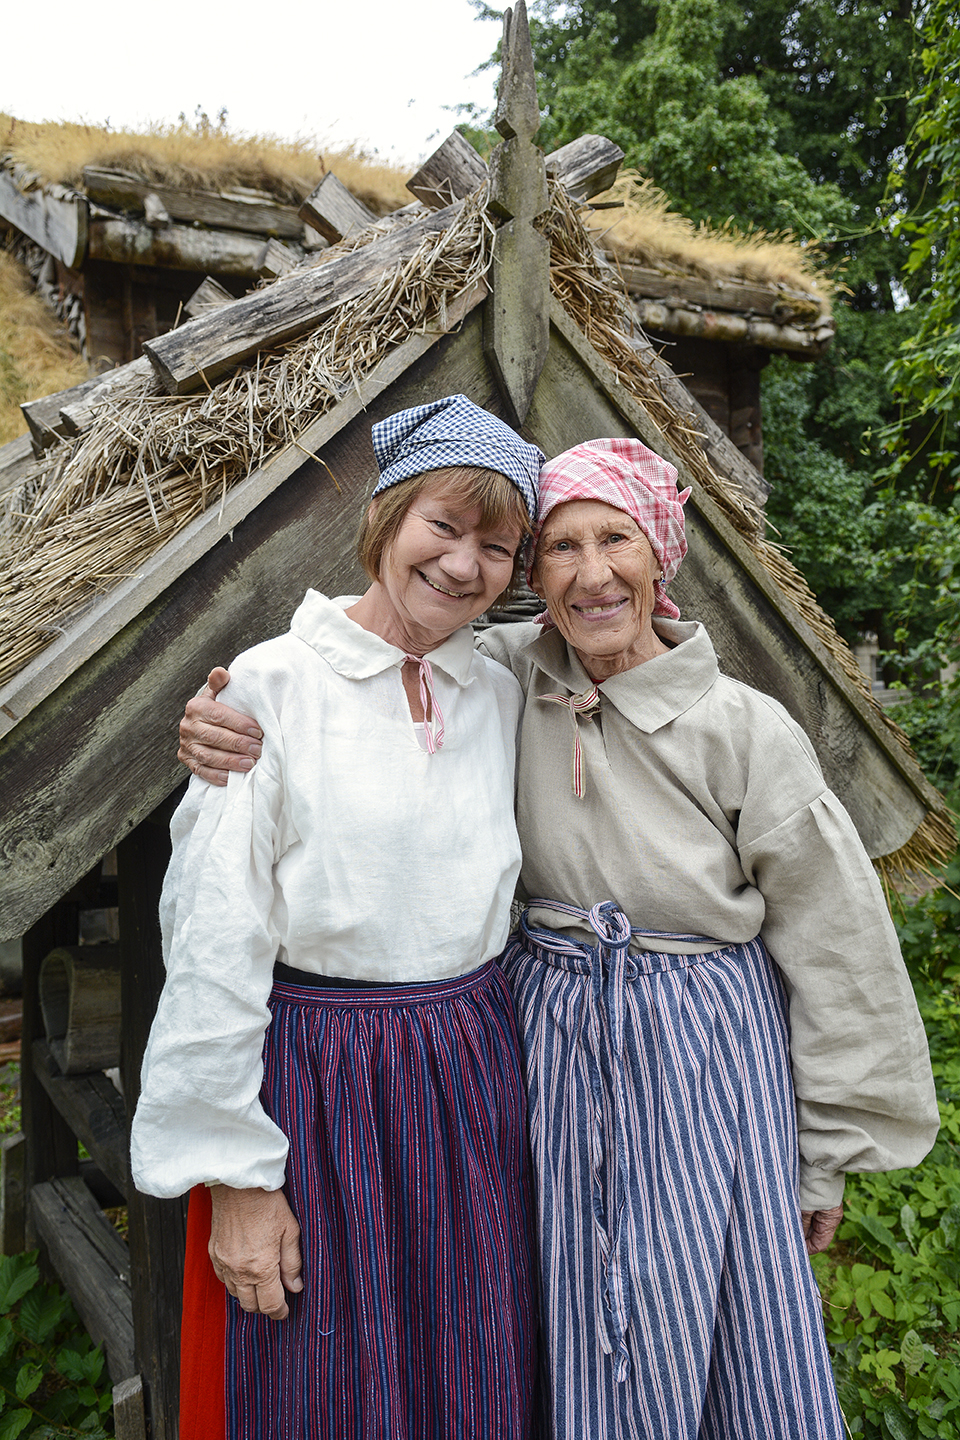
x=215 y=739
x=255 y=1248
x=819 y=1227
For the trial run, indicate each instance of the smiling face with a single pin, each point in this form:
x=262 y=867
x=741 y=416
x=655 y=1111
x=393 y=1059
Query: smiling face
x=443 y=568
x=595 y=569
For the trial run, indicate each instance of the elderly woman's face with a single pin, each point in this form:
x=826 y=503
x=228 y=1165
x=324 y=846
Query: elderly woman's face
x=595 y=569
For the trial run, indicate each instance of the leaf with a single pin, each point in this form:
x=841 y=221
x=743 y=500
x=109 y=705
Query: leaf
x=70 y=1365
x=28 y=1378
x=912 y=1353
x=14 y=1423
x=40 y=1314
x=950 y=1225
x=895 y=1425
x=908 y=1219
x=17 y=1275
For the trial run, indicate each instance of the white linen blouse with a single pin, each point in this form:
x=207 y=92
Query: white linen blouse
x=348 y=851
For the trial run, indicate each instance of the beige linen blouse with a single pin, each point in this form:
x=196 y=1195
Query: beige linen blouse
x=705 y=812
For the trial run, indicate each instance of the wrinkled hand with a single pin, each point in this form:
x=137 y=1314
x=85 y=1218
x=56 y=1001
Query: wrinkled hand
x=819 y=1227
x=215 y=739
x=255 y=1248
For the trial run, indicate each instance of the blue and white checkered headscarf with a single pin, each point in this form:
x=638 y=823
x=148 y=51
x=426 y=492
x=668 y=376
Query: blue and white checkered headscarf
x=454 y=432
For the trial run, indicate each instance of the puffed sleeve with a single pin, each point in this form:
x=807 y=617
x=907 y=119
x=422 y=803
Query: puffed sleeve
x=861 y=1068
x=199 y=1117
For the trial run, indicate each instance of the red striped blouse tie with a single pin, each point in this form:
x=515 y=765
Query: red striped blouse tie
x=582 y=706
x=432 y=728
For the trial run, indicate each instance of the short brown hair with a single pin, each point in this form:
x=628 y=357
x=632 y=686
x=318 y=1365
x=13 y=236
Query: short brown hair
x=502 y=507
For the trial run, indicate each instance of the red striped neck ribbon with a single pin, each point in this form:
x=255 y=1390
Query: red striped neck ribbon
x=579 y=706
x=432 y=726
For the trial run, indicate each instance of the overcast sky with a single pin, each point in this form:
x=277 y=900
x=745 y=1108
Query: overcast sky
x=374 y=72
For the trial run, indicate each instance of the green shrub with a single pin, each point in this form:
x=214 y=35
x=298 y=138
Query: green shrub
x=891 y=1285
x=51 y=1375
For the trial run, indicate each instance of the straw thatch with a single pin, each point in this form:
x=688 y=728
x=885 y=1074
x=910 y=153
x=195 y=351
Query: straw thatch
x=646 y=230
x=94 y=509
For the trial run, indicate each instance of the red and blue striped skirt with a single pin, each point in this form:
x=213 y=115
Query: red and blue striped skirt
x=408 y=1174
x=677 y=1299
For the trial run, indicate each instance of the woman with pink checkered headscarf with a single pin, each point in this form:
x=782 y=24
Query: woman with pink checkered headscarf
x=715 y=1017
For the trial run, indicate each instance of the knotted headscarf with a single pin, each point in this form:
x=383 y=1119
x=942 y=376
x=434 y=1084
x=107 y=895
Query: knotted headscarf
x=625 y=474
x=454 y=432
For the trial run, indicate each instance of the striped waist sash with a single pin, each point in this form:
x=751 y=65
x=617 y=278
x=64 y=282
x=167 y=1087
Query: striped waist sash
x=610 y=968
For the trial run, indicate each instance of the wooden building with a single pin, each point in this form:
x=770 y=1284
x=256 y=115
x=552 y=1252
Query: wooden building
x=518 y=313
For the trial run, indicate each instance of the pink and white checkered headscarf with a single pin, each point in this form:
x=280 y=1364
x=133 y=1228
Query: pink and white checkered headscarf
x=625 y=474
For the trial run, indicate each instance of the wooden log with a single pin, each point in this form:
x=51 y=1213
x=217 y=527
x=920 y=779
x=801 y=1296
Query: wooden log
x=129 y=1420
x=13 y=1194
x=79 y=411
x=124 y=602
x=43 y=415
x=93 y=1263
x=276 y=259
x=334 y=212
x=452 y=172
x=251 y=211
x=80 y=1004
x=213 y=344
x=93 y=1108
x=734 y=329
x=16 y=458
x=209 y=295
x=157 y=1228
x=154 y=212
x=53 y=217
x=175 y=247
x=585 y=167
x=748 y=297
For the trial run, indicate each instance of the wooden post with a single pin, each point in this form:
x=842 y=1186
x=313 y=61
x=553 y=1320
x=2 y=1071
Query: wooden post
x=157 y=1227
x=517 y=338
x=51 y=1144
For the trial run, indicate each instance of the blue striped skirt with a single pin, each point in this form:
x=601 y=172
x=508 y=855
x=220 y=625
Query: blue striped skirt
x=408 y=1173
x=678 y=1301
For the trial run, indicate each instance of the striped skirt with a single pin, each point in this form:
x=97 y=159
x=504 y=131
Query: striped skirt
x=408 y=1173
x=678 y=1301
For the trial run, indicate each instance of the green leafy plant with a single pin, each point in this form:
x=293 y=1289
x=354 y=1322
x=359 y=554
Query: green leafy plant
x=51 y=1375
x=892 y=1284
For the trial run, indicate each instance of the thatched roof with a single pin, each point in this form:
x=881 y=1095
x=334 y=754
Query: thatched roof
x=95 y=509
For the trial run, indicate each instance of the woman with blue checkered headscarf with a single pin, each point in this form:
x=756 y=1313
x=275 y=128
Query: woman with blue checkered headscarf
x=336 y=911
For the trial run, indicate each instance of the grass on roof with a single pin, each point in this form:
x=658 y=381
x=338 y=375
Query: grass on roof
x=646 y=231
x=36 y=356
x=200 y=156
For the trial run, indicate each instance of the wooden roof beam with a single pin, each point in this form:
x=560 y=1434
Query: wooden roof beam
x=254 y=213
x=334 y=212
x=585 y=167
x=53 y=217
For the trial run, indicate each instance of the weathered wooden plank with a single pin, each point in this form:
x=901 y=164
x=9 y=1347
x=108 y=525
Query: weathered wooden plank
x=276 y=259
x=212 y=344
x=254 y=212
x=79 y=411
x=91 y=631
x=54 y=218
x=518 y=334
x=332 y=210
x=761 y=638
x=452 y=172
x=175 y=247
x=720 y=450
x=209 y=295
x=62 y=764
x=129 y=1421
x=16 y=457
x=586 y=166
x=93 y=1263
x=157 y=1228
x=93 y=1108
x=722 y=293
x=13 y=1193
x=43 y=415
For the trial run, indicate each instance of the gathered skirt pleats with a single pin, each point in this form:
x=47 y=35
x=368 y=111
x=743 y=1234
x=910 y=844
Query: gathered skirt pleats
x=408 y=1173
x=678 y=1300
